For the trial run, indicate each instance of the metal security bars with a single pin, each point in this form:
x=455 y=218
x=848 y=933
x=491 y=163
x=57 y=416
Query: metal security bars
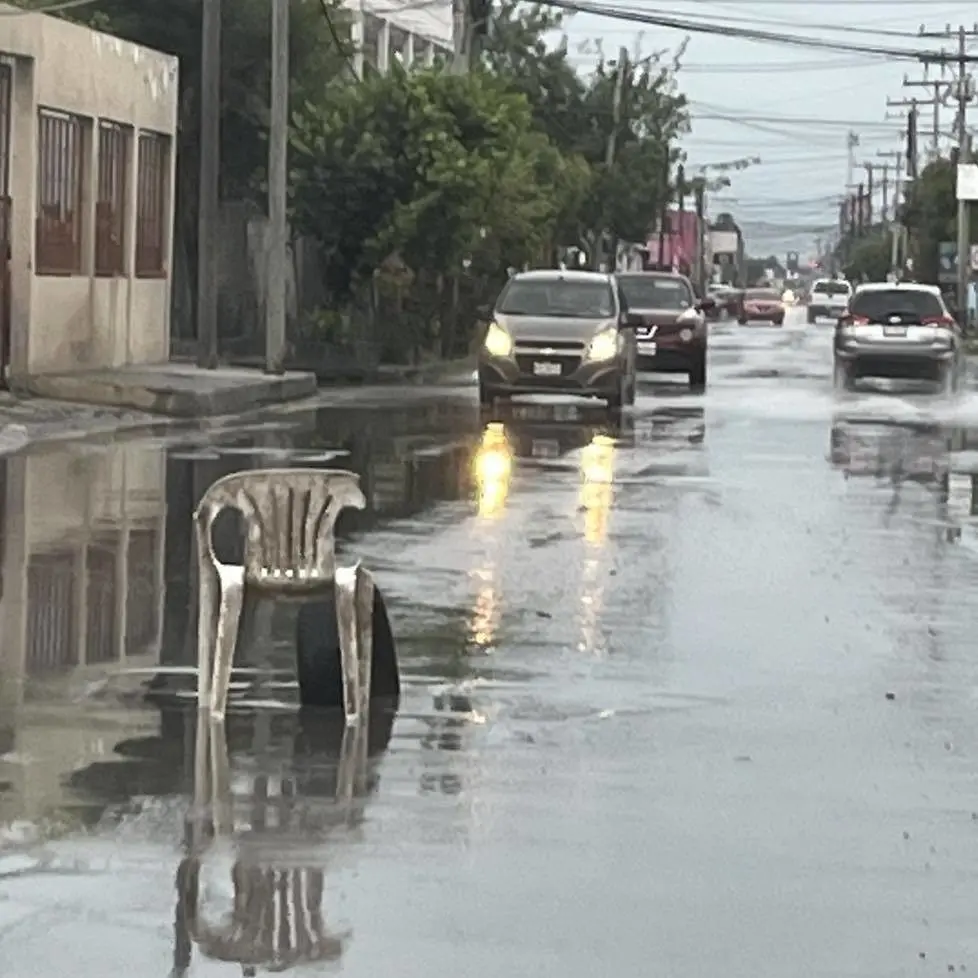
x=61 y=167
x=152 y=204
x=110 y=201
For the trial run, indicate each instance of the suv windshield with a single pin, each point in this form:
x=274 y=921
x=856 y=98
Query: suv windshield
x=562 y=298
x=831 y=288
x=877 y=305
x=655 y=292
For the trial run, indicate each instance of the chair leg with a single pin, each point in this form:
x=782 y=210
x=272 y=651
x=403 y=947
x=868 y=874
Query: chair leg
x=220 y=781
x=207 y=587
x=346 y=622
x=364 y=595
x=228 y=623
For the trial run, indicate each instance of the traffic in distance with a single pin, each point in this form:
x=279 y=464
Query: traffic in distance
x=591 y=334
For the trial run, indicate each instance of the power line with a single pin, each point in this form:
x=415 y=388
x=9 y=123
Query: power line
x=726 y=30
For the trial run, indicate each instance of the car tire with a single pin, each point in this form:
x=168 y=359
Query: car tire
x=842 y=376
x=779 y=322
x=811 y=318
x=949 y=379
x=629 y=396
x=697 y=373
x=741 y=321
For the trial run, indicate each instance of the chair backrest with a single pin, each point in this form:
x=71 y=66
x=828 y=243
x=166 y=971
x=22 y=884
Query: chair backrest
x=290 y=518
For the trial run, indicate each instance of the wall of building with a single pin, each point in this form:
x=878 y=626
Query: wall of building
x=68 y=322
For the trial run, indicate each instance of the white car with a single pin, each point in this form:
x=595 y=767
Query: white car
x=902 y=330
x=828 y=299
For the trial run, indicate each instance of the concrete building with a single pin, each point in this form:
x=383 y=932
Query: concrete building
x=87 y=160
x=408 y=31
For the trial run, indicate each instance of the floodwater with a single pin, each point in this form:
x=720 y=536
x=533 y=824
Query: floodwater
x=687 y=693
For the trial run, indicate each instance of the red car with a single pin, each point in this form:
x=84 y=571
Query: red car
x=669 y=321
x=762 y=305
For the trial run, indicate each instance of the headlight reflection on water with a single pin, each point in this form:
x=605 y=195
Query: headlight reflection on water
x=493 y=471
x=597 y=489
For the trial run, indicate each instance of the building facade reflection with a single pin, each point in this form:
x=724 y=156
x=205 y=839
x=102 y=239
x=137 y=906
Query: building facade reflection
x=83 y=536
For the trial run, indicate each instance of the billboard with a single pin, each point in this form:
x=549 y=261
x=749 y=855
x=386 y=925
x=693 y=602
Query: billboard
x=724 y=242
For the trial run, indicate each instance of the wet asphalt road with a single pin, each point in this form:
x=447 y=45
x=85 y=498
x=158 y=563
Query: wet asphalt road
x=691 y=694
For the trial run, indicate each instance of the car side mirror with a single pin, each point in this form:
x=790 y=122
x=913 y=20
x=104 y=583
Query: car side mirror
x=629 y=320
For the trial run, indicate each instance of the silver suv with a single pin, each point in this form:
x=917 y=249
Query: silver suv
x=901 y=330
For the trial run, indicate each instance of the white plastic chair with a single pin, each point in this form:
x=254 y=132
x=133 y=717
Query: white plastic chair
x=289 y=553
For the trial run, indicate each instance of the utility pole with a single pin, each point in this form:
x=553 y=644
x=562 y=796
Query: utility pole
x=869 y=195
x=852 y=141
x=699 y=193
x=470 y=27
x=860 y=211
x=962 y=90
x=939 y=89
x=895 y=226
x=617 y=99
x=278 y=191
x=208 y=204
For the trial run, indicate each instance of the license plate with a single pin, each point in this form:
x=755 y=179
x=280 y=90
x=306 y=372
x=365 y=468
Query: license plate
x=894 y=330
x=546 y=369
x=647 y=349
x=544 y=448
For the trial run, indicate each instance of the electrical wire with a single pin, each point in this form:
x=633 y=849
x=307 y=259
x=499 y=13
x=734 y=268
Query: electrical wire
x=54 y=8
x=726 y=30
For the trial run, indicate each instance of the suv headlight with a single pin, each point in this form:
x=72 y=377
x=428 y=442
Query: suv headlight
x=604 y=346
x=498 y=342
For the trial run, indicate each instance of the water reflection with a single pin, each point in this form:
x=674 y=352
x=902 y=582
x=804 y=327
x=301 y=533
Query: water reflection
x=98 y=576
x=493 y=471
x=895 y=452
x=278 y=805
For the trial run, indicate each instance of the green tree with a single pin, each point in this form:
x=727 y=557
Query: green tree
x=930 y=215
x=578 y=116
x=434 y=168
x=868 y=257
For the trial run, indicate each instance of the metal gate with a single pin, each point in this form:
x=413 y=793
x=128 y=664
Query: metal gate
x=6 y=90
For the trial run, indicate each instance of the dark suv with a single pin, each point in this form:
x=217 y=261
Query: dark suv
x=898 y=330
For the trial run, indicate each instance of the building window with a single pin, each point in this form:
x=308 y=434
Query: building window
x=152 y=204
x=61 y=170
x=110 y=201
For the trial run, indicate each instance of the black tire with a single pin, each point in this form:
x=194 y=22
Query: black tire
x=629 y=397
x=811 y=318
x=697 y=374
x=779 y=322
x=741 y=321
x=317 y=646
x=949 y=379
x=842 y=376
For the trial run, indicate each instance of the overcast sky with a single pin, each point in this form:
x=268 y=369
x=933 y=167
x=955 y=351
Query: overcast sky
x=820 y=96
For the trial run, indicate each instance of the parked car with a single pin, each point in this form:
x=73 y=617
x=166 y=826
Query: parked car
x=828 y=299
x=558 y=331
x=901 y=330
x=670 y=324
x=762 y=305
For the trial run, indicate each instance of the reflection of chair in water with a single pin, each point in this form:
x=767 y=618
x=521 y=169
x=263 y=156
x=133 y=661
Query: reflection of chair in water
x=289 y=516
x=277 y=916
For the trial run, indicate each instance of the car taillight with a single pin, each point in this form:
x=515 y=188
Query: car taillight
x=849 y=320
x=947 y=322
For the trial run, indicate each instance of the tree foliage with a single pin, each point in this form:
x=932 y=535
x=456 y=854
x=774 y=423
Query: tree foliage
x=868 y=258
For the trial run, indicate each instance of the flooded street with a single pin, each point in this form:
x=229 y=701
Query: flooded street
x=690 y=693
